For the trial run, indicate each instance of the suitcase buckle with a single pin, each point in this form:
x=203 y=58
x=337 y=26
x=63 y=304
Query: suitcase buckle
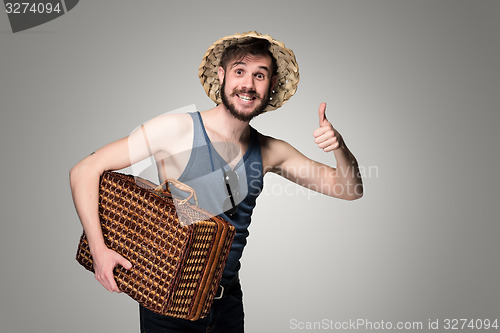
x=220 y=292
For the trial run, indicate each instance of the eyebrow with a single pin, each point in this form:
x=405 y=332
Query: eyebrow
x=244 y=63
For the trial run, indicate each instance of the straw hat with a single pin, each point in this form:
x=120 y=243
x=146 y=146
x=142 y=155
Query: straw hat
x=288 y=70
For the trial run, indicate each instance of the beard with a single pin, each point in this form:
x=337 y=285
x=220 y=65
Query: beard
x=259 y=108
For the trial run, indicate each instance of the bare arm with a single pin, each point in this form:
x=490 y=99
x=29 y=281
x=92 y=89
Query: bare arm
x=84 y=180
x=342 y=182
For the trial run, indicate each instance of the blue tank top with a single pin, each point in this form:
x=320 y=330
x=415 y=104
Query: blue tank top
x=205 y=173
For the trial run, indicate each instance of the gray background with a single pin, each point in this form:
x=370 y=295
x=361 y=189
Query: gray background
x=413 y=86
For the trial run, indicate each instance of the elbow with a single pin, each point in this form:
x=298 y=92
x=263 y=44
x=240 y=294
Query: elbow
x=354 y=197
x=79 y=173
x=347 y=192
x=355 y=193
x=84 y=172
x=347 y=196
x=74 y=173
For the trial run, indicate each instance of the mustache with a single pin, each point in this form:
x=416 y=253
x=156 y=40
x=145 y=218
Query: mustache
x=252 y=93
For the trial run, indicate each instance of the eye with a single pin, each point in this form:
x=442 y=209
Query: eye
x=239 y=72
x=260 y=76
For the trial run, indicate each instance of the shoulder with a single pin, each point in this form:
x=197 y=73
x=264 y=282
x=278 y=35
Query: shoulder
x=268 y=143
x=169 y=132
x=171 y=123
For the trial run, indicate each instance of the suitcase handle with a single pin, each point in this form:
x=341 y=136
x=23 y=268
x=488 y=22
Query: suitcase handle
x=181 y=186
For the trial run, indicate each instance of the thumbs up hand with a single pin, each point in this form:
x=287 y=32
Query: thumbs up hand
x=326 y=136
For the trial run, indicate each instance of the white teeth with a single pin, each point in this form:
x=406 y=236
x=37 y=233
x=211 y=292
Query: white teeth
x=245 y=98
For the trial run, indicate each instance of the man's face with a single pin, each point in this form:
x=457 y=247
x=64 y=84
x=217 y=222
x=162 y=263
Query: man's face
x=246 y=85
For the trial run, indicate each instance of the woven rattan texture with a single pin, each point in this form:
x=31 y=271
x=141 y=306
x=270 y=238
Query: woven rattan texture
x=174 y=267
x=288 y=69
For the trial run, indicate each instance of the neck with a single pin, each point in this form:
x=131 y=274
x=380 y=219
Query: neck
x=220 y=120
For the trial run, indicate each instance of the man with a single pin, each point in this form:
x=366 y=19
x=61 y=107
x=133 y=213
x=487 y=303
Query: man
x=246 y=75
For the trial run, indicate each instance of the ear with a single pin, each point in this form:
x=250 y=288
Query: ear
x=274 y=80
x=220 y=73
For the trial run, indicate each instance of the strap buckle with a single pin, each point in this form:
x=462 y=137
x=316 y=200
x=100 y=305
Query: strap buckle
x=220 y=292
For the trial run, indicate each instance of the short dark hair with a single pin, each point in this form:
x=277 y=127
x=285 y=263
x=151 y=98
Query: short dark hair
x=253 y=46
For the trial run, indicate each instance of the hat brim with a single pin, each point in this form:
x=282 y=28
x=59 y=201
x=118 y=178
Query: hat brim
x=287 y=71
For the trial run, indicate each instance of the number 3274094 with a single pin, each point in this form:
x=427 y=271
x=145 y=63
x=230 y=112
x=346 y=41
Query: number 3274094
x=32 y=8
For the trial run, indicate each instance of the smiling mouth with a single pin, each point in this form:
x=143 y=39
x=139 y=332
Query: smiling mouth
x=246 y=98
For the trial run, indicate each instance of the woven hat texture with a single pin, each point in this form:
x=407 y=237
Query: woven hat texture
x=288 y=69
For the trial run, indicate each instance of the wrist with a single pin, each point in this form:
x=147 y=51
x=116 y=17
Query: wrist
x=97 y=247
x=341 y=144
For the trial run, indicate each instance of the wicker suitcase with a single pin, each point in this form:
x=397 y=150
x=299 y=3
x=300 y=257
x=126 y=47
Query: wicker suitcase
x=176 y=268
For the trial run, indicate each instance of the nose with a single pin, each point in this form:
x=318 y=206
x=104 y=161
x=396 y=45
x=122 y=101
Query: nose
x=248 y=82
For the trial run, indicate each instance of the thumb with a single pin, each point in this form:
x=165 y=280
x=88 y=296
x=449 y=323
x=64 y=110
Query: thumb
x=321 y=113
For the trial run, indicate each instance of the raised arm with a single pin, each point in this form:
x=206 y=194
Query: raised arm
x=343 y=181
